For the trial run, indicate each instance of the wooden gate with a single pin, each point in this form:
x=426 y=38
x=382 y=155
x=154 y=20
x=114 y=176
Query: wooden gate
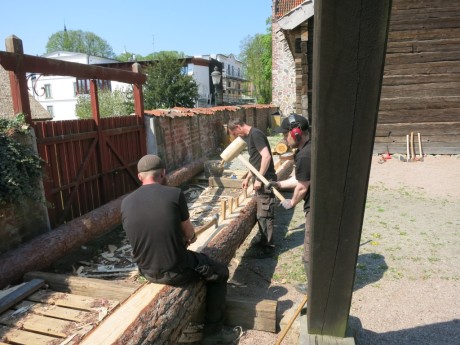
x=87 y=167
x=88 y=162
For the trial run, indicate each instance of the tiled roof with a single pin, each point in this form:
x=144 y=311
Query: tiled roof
x=285 y=6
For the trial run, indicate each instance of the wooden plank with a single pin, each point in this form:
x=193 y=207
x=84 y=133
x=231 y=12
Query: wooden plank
x=58 y=312
x=97 y=288
x=20 y=293
x=427 y=129
x=397 y=80
x=112 y=328
x=17 y=336
x=224 y=182
x=251 y=313
x=38 y=323
x=441 y=102
x=72 y=301
x=398 y=59
x=423 y=68
x=423 y=34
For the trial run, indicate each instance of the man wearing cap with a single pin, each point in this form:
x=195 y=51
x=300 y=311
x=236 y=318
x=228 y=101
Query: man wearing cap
x=260 y=157
x=295 y=131
x=156 y=220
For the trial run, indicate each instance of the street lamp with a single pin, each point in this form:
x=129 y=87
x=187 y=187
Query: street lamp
x=216 y=75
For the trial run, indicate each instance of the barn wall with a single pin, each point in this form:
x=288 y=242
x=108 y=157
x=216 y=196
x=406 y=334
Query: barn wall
x=421 y=84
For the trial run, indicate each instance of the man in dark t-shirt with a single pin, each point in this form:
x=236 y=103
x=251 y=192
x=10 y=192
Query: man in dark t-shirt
x=156 y=220
x=295 y=131
x=260 y=157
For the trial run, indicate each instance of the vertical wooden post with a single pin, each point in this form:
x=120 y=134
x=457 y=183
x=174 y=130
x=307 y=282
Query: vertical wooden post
x=231 y=200
x=139 y=108
x=18 y=80
x=348 y=61
x=223 y=209
x=102 y=159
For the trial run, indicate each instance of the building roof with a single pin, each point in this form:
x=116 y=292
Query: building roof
x=6 y=102
x=284 y=6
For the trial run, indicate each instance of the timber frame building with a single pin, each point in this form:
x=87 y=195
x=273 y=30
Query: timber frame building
x=421 y=83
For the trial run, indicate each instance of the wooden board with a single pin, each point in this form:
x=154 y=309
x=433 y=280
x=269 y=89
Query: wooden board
x=17 y=294
x=49 y=317
x=225 y=182
x=97 y=288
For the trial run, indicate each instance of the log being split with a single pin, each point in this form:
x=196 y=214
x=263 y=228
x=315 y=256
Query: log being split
x=157 y=313
x=43 y=250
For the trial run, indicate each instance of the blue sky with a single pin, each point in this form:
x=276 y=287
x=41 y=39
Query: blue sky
x=194 y=27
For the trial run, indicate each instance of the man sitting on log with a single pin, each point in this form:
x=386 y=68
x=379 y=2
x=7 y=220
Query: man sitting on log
x=156 y=220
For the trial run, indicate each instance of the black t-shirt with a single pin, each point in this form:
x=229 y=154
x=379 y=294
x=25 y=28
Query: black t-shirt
x=256 y=141
x=151 y=218
x=302 y=159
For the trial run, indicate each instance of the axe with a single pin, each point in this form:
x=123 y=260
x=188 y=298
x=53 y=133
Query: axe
x=233 y=150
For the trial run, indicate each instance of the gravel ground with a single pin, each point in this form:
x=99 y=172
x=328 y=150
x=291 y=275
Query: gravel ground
x=407 y=288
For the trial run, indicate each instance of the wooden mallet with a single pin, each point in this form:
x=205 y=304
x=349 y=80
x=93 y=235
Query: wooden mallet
x=233 y=150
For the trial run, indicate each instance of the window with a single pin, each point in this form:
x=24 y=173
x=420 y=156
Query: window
x=50 y=110
x=75 y=91
x=47 y=90
x=233 y=71
x=82 y=86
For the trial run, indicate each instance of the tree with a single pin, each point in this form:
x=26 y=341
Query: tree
x=111 y=103
x=167 y=85
x=80 y=42
x=256 y=54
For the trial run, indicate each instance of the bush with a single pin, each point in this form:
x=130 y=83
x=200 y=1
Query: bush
x=21 y=167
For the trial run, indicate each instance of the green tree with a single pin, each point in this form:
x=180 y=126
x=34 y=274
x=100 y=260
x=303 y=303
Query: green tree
x=167 y=84
x=80 y=42
x=256 y=54
x=111 y=103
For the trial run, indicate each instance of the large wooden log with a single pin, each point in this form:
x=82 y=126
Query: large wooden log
x=43 y=250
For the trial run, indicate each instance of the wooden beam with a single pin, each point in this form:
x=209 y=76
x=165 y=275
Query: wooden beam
x=110 y=289
x=225 y=182
x=348 y=63
x=18 y=294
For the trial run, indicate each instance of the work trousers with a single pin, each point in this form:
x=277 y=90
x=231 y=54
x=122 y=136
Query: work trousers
x=265 y=215
x=306 y=245
x=199 y=266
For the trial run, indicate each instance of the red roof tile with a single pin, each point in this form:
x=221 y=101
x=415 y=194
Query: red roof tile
x=285 y=6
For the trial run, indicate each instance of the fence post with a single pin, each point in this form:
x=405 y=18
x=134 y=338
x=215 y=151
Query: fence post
x=18 y=80
x=139 y=107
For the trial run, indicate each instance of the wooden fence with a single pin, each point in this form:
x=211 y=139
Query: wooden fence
x=88 y=165
x=88 y=162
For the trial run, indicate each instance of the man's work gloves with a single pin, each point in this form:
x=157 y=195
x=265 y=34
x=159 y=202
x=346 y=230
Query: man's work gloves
x=287 y=204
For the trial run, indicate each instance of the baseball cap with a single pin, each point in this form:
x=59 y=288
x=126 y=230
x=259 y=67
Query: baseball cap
x=299 y=121
x=149 y=162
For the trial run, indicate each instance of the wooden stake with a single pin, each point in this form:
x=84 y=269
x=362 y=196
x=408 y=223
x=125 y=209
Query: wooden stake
x=407 y=144
x=420 y=147
x=223 y=209
x=412 y=151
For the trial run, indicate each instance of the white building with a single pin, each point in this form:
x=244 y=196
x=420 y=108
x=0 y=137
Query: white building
x=233 y=78
x=58 y=94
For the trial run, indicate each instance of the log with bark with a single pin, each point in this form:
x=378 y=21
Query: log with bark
x=42 y=251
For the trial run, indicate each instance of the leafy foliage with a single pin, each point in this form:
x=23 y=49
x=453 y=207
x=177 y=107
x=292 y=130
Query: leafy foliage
x=80 y=42
x=167 y=85
x=256 y=54
x=111 y=103
x=21 y=167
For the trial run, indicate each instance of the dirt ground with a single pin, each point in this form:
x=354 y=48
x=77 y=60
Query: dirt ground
x=407 y=287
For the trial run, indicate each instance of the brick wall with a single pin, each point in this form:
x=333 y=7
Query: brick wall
x=185 y=135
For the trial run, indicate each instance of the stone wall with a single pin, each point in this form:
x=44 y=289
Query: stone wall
x=283 y=73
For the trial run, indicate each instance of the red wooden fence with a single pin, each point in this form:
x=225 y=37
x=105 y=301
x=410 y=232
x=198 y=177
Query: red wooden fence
x=88 y=162
x=86 y=168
